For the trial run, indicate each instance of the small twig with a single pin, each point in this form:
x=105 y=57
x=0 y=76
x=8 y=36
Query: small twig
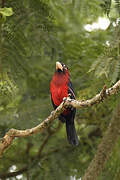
x=50 y=133
x=13 y=174
x=28 y=148
x=43 y=145
x=3 y=3
x=103 y=93
x=53 y=131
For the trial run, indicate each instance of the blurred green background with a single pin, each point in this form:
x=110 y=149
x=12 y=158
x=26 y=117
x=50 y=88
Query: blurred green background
x=39 y=33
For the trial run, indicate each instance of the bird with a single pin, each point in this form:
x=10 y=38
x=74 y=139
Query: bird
x=60 y=87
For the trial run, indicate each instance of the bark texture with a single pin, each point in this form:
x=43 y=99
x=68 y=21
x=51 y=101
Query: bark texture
x=105 y=148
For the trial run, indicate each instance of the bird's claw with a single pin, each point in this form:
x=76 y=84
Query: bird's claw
x=69 y=95
x=69 y=99
x=64 y=99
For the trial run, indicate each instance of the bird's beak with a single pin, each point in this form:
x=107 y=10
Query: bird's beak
x=59 y=66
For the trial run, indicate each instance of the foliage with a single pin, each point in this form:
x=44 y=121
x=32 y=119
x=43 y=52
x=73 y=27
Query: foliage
x=109 y=59
x=38 y=34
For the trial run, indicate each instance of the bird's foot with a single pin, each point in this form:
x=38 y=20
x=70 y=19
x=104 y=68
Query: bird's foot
x=64 y=99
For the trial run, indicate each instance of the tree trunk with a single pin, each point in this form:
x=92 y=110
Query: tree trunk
x=105 y=148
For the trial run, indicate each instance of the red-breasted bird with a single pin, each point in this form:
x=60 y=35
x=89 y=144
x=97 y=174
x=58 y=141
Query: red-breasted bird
x=61 y=87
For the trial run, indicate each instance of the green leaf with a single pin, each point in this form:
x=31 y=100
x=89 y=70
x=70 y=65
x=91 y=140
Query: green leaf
x=6 y=11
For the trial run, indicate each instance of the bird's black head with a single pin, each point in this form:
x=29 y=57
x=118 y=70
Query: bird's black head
x=61 y=67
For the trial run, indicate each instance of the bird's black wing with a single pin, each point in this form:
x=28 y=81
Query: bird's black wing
x=70 y=126
x=71 y=90
x=54 y=106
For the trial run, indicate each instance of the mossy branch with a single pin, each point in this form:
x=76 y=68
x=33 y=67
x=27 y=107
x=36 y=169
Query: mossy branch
x=7 y=140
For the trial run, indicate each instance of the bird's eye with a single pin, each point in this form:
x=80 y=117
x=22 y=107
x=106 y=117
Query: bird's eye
x=64 y=66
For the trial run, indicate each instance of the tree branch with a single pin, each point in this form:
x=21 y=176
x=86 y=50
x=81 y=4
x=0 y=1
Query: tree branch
x=12 y=133
x=38 y=156
x=50 y=133
x=13 y=174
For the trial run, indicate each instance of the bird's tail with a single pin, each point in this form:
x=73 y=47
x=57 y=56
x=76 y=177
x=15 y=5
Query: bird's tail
x=71 y=133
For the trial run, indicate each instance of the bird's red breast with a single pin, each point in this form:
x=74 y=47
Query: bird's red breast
x=59 y=87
